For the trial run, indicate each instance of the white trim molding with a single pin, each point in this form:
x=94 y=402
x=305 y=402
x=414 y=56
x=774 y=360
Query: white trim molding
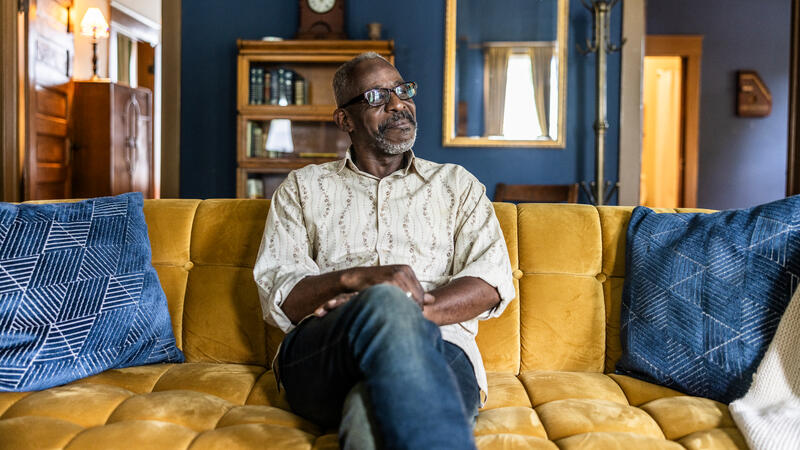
x=630 y=114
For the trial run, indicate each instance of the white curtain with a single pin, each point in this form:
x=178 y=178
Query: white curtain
x=540 y=73
x=496 y=72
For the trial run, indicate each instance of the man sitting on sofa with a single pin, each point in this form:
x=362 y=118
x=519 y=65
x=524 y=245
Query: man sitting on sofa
x=378 y=267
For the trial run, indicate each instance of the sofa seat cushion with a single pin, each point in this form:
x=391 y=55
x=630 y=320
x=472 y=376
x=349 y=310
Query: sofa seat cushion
x=550 y=409
x=204 y=405
x=169 y=406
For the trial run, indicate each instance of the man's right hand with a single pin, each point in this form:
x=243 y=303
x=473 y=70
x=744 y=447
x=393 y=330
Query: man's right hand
x=318 y=294
x=400 y=275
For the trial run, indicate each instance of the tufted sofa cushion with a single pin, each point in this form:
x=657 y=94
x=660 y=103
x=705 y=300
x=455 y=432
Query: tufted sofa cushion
x=548 y=356
x=211 y=405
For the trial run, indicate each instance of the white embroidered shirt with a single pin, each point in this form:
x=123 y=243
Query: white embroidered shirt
x=433 y=217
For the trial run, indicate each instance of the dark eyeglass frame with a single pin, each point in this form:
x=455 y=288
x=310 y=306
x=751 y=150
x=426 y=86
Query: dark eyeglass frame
x=400 y=91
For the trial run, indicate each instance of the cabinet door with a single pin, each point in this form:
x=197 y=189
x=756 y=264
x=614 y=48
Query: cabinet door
x=132 y=141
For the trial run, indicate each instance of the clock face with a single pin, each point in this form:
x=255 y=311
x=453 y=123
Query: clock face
x=321 y=6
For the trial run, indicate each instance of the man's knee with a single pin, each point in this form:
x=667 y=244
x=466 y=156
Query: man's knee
x=389 y=301
x=389 y=308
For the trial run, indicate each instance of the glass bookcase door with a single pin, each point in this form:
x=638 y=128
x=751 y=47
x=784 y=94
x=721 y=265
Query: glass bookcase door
x=287 y=138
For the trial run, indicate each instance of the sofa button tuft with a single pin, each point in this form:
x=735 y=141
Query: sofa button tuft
x=188 y=266
x=601 y=277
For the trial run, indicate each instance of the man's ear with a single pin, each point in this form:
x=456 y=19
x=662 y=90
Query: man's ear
x=342 y=120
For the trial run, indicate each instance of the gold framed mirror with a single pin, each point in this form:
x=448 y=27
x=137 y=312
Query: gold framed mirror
x=505 y=73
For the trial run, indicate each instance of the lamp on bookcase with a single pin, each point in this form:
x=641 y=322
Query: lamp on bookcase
x=94 y=25
x=279 y=138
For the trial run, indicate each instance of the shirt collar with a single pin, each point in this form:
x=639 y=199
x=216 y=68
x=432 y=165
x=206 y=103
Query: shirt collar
x=413 y=162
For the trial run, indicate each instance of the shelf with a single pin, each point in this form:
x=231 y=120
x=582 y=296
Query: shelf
x=296 y=112
x=311 y=50
x=271 y=165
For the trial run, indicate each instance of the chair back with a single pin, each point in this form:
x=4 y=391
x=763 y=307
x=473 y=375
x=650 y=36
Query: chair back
x=536 y=193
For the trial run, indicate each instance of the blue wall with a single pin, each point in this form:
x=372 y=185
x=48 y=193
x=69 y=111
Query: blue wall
x=208 y=90
x=742 y=161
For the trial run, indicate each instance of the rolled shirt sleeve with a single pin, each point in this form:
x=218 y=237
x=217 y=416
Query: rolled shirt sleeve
x=480 y=249
x=284 y=257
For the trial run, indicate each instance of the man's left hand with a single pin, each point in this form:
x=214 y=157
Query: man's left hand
x=334 y=303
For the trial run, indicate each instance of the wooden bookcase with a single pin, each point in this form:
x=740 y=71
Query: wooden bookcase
x=259 y=171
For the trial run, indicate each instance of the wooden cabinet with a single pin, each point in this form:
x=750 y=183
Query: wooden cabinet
x=112 y=137
x=306 y=101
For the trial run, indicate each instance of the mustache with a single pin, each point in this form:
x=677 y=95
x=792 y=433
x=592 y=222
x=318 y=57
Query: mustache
x=396 y=117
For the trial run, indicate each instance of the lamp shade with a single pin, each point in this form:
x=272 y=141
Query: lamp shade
x=279 y=138
x=94 y=24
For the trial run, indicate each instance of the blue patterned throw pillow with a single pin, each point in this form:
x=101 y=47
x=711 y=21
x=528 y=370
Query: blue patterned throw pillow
x=78 y=294
x=704 y=294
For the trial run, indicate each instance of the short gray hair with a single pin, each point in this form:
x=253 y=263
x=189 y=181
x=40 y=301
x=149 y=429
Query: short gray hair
x=343 y=77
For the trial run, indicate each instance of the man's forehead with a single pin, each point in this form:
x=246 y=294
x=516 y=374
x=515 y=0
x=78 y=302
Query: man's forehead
x=375 y=73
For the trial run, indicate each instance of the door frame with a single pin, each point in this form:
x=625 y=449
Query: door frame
x=690 y=49
x=9 y=93
x=793 y=159
x=170 y=98
x=630 y=103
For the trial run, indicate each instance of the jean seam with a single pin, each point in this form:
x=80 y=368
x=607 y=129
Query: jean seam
x=458 y=355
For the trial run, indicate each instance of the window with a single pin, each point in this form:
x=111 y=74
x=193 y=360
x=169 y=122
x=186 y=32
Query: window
x=520 y=109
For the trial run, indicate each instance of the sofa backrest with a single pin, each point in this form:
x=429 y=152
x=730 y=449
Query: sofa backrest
x=568 y=263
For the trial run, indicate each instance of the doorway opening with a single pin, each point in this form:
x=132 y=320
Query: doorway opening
x=671 y=104
x=662 y=152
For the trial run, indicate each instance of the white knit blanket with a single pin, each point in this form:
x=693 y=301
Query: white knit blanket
x=769 y=414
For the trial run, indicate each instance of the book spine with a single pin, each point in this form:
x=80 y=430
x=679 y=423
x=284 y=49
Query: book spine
x=248 y=145
x=258 y=140
x=251 y=88
x=289 y=91
x=273 y=91
x=267 y=87
x=260 y=87
x=299 y=91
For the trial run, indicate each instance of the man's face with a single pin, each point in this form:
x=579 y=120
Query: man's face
x=389 y=128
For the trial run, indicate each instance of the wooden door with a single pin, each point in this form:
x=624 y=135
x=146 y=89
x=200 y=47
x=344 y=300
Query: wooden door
x=49 y=60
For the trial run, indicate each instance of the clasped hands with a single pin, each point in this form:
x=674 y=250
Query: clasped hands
x=359 y=278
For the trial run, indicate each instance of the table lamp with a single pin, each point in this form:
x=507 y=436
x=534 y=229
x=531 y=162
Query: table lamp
x=279 y=138
x=95 y=26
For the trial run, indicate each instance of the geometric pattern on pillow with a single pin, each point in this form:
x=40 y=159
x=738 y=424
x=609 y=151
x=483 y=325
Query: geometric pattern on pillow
x=704 y=293
x=78 y=293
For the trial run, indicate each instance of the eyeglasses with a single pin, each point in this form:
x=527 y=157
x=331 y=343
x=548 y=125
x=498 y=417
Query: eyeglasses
x=381 y=96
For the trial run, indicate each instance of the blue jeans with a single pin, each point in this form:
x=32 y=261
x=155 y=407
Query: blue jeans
x=381 y=371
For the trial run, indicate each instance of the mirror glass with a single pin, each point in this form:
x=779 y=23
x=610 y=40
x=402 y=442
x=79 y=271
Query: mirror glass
x=505 y=73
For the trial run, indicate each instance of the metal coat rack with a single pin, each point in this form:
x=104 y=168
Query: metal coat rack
x=600 y=191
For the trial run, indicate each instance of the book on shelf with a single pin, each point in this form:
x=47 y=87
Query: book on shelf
x=279 y=86
x=257 y=142
x=267 y=91
x=283 y=98
x=251 y=92
x=256 y=88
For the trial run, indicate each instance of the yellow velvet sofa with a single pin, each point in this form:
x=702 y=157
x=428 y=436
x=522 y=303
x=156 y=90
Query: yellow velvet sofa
x=549 y=358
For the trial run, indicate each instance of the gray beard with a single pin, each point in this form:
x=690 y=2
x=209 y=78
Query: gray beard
x=395 y=149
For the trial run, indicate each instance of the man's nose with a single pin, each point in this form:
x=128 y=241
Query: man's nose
x=395 y=103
